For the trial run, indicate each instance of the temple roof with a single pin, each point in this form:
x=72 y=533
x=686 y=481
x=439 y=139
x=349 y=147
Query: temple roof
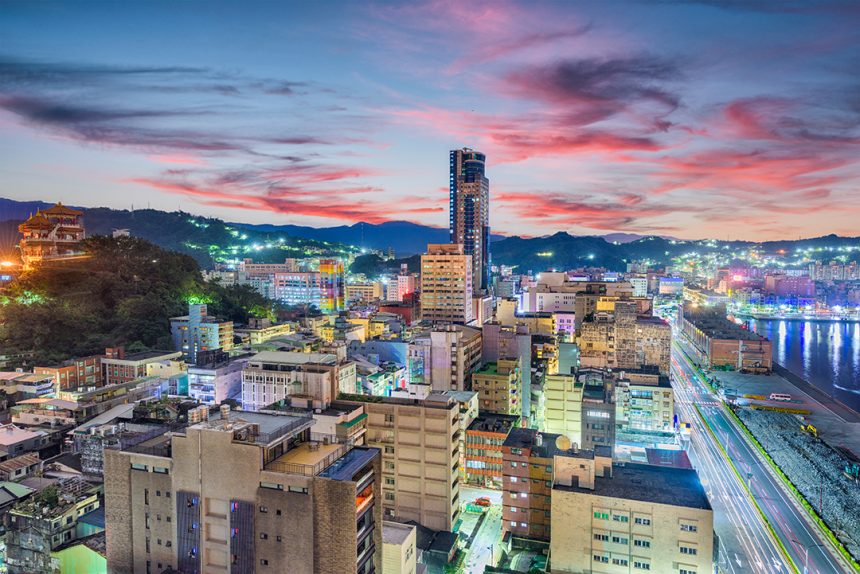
x=36 y=221
x=61 y=209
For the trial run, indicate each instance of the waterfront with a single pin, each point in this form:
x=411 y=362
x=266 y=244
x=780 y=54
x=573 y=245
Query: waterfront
x=827 y=354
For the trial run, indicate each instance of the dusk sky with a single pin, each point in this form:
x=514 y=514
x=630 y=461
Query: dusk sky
x=726 y=119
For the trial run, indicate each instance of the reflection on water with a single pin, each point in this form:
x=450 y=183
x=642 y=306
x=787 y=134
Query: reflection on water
x=827 y=354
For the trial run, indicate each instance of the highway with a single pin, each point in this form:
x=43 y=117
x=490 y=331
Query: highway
x=747 y=544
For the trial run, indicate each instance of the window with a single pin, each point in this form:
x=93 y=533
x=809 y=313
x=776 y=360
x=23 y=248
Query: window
x=601 y=537
x=619 y=561
x=686 y=571
x=601 y=558
x=602 y=515
x=513 y=509
x=523 y=524
x=264 y=536
x=642 y=543
x=641 y=565
x=264 y=509
x=272 y=485
x=620 y=518
x=299 y=489
x=513 y=523
x=136 y=466
x=513 y=479
x=389 y=450
x=689 y=528
x=619 y=539
x=643 y=521
x=278 y=538
x=264 y=562
x=689 y=550
x=146 y=496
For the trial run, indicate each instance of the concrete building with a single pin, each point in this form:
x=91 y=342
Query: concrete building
x=446 y=284
x=722 y=343
x=399 y=548
x=216 y=379
x=644 y=403
x=406 y=285
x=246 y=492
x=469 y=209
x=73 y=373
x=620 y=338
x=598 y=410
x=44 y=522
x=198 y=331
x=121 y=367
x=593 y=292
x=468 y=401
x=272 y=376
x=420 y=444
x=259 y=330
x=670 y=286
x=630 y=518
x=363 y=292
x=445 y=357
x=563 y=406
x=484 y=440
x=499 y=387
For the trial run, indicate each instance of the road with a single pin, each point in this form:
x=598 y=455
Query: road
x=749 y=546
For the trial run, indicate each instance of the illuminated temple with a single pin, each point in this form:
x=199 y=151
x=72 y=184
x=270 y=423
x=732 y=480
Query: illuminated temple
x=51 y=234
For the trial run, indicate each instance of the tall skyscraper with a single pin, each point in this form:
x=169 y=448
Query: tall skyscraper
x=469 y=221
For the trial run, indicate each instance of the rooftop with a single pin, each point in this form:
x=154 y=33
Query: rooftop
x=293 y=358
x=11 y=434
x=648 y=483
x=713 y=323
x=146 y=355
x=395 y=532
x=490 y=422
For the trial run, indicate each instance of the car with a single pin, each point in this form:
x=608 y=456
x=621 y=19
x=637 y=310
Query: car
x=483 y=501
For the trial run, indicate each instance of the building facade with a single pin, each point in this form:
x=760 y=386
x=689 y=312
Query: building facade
x=446 y=284
x=54 y=234
x=499 y=387
x=284 y=500
x=469 y=222
x=420 y=444
x=198 y=331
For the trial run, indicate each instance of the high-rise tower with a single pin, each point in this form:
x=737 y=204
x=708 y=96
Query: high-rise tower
x=470 y=211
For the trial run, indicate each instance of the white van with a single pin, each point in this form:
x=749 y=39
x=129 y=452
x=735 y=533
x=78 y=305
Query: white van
x=780 y=397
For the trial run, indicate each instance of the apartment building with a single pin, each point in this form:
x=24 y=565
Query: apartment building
x=484 y=440
x=121 y=367
x=563 y=406
x=644 y=402
x=446 y=284
x=445 y=357
x=527 y=482
x=621 y=338
x=73 y=373
x=499 y=387
x=271 y=376
x=198 y=331
x=420 y=444
x=246 y=492
x=630 y=518
x=364 y=292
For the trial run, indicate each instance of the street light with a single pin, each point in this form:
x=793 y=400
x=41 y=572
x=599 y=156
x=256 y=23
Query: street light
x=806 y=553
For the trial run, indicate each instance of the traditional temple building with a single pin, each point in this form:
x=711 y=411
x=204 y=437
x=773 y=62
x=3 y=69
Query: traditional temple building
x=55 y=233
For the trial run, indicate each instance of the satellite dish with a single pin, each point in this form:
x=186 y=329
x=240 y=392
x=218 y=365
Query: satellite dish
x=562 y=443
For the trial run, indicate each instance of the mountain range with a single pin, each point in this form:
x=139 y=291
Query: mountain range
x=208 y=239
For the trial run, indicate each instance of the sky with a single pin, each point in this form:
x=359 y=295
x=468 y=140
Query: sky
x=711 y=118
